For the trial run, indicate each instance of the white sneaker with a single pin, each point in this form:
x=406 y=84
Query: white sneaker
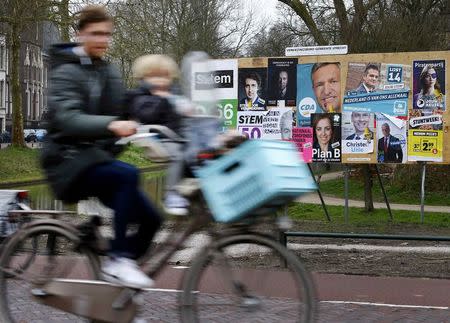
x=125 y=271
x=175 y=204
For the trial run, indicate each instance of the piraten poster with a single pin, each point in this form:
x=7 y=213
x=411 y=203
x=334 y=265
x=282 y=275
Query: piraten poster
x=429 y=86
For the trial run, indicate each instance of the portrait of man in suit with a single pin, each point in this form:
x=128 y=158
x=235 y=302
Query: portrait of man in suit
x=370 y=79
x=252 y=86
x=360 y=122
x=389 y=146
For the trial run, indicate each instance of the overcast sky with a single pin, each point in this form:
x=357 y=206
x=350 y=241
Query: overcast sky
x=262 y=8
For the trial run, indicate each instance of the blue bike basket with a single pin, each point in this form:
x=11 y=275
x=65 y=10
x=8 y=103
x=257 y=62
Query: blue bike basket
x=256 y=174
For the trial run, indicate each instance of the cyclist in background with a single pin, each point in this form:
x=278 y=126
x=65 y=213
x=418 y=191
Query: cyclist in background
x=85 y=120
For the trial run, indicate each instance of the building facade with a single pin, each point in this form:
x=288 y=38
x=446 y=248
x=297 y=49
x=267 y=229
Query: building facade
x=33 y=73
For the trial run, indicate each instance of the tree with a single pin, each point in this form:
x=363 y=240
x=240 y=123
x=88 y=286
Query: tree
x=175 y=27
x=15 y=16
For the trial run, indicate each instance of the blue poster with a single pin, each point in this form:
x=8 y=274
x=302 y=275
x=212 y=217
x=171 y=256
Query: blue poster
x=377 y=87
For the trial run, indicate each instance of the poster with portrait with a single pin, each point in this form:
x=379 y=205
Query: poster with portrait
x=318 y=90
x=277 y=124
x=252 y=90
x=216 y=82
x=429 y=86
x=303 y=139
x=391 y=138
x=282 y=82
x=377 y=87
x=326 y=137
x=358 y=132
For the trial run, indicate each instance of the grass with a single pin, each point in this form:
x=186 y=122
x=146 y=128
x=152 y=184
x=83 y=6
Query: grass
x=312 y=217
x=394 y=193
x=22 y=164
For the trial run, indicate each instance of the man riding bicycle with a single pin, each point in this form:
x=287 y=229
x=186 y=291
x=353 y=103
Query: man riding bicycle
x=86 y=119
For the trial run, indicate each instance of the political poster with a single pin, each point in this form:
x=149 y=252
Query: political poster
x=282 y=82
x=425 y=136
x=358 y=132
x=250 y=123
x=303 y=139
x=429 y=86
x=425 y=145
x=326 y=137
x=277 y=124
x=391 y=135
x=214 y=89
x=377 y=87
x=252 y=90
x=318 y=90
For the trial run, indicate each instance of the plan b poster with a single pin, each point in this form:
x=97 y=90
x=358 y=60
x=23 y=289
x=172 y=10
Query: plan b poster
x=326 y=137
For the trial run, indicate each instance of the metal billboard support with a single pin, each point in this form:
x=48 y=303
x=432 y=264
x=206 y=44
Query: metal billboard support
x=320 y=194
x=384 y=192
x=422 y=192
x=346 y=175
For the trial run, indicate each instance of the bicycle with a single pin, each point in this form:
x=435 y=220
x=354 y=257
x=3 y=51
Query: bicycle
x=59 y=247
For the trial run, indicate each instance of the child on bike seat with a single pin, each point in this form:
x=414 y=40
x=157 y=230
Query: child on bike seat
x=154 y=102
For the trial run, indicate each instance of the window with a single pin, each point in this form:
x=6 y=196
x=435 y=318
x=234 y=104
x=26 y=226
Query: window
x=2 y=84
x=2 y=57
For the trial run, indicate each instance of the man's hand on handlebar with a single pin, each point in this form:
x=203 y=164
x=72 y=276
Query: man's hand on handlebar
x=123 y=128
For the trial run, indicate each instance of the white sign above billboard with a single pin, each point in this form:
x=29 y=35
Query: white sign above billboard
x=316 y=50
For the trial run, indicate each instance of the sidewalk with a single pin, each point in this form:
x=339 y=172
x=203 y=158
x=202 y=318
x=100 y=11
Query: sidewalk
x=314 y=198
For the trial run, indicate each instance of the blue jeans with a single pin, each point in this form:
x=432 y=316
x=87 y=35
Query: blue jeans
x=116 y=185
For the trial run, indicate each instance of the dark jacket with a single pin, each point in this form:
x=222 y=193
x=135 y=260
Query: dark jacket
x=393 y=153
x=151 y=109
x=85 y=96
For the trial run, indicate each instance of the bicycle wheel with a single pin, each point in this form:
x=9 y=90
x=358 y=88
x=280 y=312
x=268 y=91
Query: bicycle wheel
x=241 y=278
x=31 y=258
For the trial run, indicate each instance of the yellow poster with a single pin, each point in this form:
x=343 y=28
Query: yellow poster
x=425 y=145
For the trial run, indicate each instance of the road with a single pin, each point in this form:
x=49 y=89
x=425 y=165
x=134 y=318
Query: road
x=342 y=298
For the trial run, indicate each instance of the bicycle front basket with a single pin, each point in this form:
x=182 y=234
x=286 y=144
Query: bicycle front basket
x=258 y=173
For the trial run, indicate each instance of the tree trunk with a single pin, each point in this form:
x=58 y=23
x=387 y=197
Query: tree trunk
x=65 y=20
x=17 y=124
x=368 y=184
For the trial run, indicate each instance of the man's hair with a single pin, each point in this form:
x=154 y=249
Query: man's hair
x=252 y=76
x=386 y=126
x=317 y=66
x=92 y=14
x=371 y=66
x=156 y=65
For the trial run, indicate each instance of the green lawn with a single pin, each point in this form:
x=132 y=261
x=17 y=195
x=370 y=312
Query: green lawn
x=312 y=218
x=21 y=164
x=395 y=194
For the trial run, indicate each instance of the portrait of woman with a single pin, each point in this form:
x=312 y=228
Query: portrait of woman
x=429 y=94
x=326 y=146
